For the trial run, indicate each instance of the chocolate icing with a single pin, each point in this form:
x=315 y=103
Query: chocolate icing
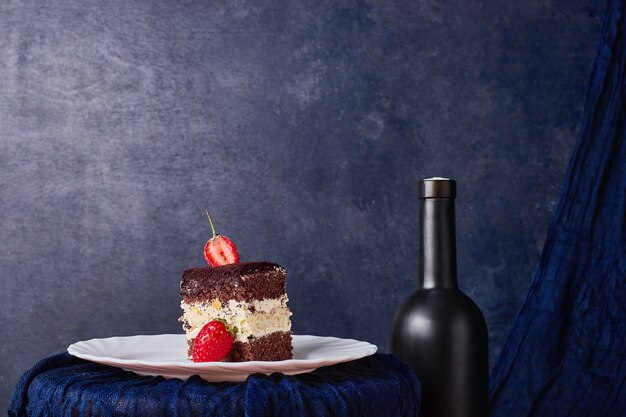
x=241 y=282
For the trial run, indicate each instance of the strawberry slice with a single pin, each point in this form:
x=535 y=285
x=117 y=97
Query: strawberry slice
x=219 y=249
x=213 y=342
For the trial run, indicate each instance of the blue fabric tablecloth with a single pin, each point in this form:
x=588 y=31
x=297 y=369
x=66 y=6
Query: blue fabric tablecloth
x=62 y=385
x=566 y=353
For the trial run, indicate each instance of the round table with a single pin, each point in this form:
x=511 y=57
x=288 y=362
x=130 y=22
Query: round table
x=63 y=385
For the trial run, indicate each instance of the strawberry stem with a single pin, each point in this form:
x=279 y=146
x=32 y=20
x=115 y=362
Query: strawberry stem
x=211 y=222
x=231 y=329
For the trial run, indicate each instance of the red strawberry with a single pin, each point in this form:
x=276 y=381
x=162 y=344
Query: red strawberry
x=220 y=250
x=213 y=342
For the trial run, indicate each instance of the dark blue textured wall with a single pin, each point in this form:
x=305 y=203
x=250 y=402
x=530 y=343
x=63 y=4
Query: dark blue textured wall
x=303 y=127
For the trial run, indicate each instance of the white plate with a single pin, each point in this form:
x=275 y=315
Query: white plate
x=166 y=355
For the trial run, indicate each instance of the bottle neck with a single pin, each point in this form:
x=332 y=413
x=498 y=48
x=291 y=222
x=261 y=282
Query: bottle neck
x=437 y=244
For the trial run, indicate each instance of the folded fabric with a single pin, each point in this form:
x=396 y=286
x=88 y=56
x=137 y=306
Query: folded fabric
x=63 y=385
x=566 y=354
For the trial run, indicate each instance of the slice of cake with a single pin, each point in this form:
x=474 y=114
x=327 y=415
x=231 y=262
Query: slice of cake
x=249 y=297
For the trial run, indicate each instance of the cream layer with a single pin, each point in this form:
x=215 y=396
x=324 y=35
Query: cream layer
x=255 y=318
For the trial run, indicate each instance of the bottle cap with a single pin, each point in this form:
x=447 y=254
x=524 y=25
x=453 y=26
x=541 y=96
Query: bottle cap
x=436 y=187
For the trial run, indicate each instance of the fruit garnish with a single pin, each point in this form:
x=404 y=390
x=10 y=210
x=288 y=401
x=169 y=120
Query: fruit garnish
x=220 y=250
x=213 y=342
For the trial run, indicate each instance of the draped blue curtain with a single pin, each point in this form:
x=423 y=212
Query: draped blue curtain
x=566 y=353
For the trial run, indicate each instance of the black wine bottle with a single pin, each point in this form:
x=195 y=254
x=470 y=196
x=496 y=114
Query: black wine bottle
x=439 y=330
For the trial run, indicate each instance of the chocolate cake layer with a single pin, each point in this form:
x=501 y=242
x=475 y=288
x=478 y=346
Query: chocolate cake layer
x=242 y=282
x=275 y=346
